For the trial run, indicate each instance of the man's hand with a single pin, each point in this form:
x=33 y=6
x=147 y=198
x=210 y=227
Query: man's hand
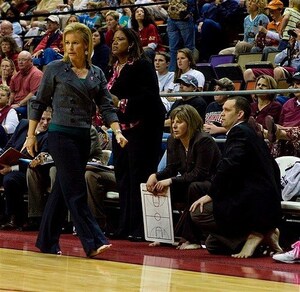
x=5 y=169
x=200 y=203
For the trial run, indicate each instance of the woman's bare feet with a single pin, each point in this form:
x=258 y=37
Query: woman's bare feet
x=272 y=240
x=188 y=245
x=101 y=249
x=252 y=242
x=154 y=243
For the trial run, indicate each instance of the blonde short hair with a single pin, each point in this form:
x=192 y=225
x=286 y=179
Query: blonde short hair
x=86 y=35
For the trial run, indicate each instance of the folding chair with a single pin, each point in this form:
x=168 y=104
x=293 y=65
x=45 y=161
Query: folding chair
x=245 y=58
x=290 y=209
x=216 y=60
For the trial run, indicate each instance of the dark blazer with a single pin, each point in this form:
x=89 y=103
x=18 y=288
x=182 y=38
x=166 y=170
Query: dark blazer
x=139 y=85
x=199 y=164
x=73 y=100
x=246 y=190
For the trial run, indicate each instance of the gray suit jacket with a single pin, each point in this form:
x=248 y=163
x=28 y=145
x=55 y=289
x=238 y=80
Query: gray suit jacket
x=72 y=99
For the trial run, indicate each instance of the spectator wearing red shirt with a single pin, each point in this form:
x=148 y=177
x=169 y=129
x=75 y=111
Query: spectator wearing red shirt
x=50 y=47
x=143 y=23
x=24 y=84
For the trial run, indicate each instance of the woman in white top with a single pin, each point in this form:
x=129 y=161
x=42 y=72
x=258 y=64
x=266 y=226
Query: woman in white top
x=165 y=78
x=186 y=65
x=8 y=116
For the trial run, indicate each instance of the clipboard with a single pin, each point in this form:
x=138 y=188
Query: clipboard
x=157 y=216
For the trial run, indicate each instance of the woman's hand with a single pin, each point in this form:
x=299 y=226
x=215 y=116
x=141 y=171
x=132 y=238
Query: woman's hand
x=200 y=203
x=121 y=139
x=115 y=100
x=31 y=145
x=163 y=184
x=151 y=182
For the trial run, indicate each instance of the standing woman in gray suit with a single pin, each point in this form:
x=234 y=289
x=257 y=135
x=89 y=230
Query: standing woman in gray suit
x=72 y=87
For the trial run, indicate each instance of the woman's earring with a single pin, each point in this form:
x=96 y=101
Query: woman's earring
x=86 y=52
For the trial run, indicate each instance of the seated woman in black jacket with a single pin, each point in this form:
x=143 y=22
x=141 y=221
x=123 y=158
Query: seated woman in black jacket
x=192 y=157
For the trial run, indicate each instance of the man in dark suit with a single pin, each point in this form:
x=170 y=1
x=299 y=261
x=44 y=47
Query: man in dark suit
x=242 y=208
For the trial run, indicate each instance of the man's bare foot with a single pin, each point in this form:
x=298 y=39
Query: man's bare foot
x=252 y=242
x=154 y=243
x=101 y=249
x=272 y=240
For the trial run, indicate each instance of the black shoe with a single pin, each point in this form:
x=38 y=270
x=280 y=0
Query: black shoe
x=10 y=225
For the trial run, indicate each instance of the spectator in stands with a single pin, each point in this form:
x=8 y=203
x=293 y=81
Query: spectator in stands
x=133 y=83
x=143 y=23
x=213 y=119
x=289 y=117
x=215 y=16
x=14 y=176
x=265 y=104
x=9 y=49
x=291 y=16
x=186 y=65
x=7 y=71
x=287 y=61
x=22 y=6
x=158 y=11
x=8 y=116
x=256 y=17
x=24 y=84
x=6 y=29
x=181 y=32
x=165 y=77
x=291 y=136
x=126 y=13
x=191 y=153
x=242 y=207
x=50 y=47
x=69 y=138
x=188 y=83
x=267 y=39
x=12 y=14
x=99 y=181
x=112 y=23
x=72 y=18
x=101 y=51
x=91 y=17
x=40 y=181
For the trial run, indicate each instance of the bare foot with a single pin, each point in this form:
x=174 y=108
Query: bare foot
x=252 y=242
x=101 y=249
x=154 y=243
x=272 y=239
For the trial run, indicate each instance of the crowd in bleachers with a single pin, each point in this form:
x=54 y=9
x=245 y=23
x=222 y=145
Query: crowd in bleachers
x=214 y=45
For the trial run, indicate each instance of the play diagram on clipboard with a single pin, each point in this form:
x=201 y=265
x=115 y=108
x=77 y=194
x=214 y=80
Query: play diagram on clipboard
x=157 y=215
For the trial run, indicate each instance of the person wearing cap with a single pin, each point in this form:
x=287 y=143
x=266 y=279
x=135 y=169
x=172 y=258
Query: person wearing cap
x=213 y=121
x=188 y=83
x=267 y=39
x=50 y=47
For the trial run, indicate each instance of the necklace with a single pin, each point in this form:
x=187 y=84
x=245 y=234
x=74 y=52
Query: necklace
x=80 y=72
